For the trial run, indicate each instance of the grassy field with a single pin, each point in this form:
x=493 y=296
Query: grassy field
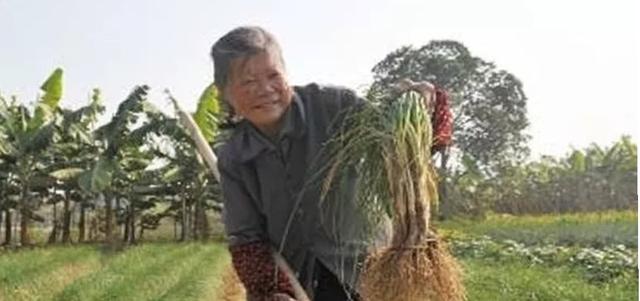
x=192 y=271
x=596 y=229
x=158 y=271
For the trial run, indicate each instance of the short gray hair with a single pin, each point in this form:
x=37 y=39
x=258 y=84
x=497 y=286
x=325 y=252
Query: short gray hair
x=241 y=42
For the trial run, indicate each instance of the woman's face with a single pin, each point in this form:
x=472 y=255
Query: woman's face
x=258 y=90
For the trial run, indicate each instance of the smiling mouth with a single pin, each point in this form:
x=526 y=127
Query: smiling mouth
x=265 y=105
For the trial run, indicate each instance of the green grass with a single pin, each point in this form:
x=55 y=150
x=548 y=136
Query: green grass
x=30 y=275
x=192 y=271
x=155 y=271
x=486 y=280
x=583 y=229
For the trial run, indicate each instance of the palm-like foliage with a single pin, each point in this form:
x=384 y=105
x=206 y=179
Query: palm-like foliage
x=596 y=178
x=26 y=137
x=115 y=137
x=148 y=157
x=74 y=154
x=184 y=172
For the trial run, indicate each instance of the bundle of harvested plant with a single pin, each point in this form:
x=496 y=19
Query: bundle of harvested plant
x=389 y=144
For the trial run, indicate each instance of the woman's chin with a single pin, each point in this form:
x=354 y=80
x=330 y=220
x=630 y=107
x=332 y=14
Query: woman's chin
x=268 y=124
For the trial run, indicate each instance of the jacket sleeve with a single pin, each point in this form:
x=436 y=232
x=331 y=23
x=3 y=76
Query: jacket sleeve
x=250 y=253
x=257 y=271
x=243 y=222
x=442 y=122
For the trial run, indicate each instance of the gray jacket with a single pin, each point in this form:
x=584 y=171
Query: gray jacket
x=271 y=189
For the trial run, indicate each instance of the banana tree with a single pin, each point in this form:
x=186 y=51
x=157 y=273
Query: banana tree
x=74 y=154
x=205 y=182
x=618 y=167
x=183 y=171
x=5 y=185
x=194 y=188
x=132 y=168
x=26 y=137
x=113 y=135
x=8 y=192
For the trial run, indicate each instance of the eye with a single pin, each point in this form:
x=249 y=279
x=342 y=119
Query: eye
x=274 y=75
x=248 y=82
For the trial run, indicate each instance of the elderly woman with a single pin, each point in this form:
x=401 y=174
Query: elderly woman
x=270 y=202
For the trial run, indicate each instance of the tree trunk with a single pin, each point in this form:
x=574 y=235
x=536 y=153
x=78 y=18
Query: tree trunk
x=24 y=217
x=1 y=214
x=16 y=225
x=108 y=212
x=201 y=224
x=125 y=236
x=93 y=227
x=116 y=209
x=196 y=221
x=23 y=207
x=81 y=223
x=7 y=227
x=53 y=236
x=175 y=228
x=206 y=231
x=66 y=219
x=132 y=227
x=25 y=240
x=443 y=165
x=447 y=206
x=141 y=232
x=183 y=229
x=190 y=224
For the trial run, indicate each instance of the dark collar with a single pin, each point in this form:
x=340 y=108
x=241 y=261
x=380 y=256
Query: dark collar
x=250 y=142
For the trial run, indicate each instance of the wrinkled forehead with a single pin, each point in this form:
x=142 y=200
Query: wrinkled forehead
x=262 y=62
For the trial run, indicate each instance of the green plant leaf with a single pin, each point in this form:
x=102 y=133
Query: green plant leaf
x=67 y=173
x=53 y=89
x=47 y=105
x=207 y=112
x=99 y=178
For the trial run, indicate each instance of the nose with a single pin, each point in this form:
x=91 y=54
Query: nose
x=265 y=87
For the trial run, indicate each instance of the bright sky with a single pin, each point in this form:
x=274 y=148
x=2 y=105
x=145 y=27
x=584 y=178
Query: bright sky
x=578 y=60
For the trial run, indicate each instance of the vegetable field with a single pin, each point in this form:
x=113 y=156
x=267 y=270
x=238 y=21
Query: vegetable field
x=590 y=256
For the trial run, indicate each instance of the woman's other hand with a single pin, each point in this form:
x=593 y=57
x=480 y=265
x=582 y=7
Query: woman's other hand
x=425 y=88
